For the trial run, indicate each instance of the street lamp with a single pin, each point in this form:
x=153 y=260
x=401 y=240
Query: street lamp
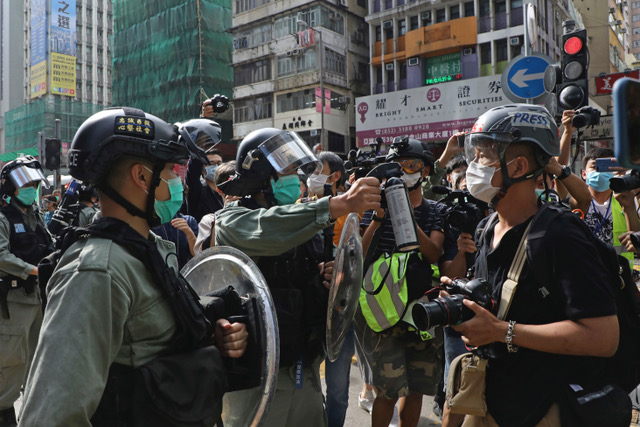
x=300 y=23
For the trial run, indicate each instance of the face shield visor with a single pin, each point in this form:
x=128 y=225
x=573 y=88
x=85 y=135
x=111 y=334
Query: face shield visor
x=27 y=174
x=486 y=148
x=287 y=152
x=200 y=136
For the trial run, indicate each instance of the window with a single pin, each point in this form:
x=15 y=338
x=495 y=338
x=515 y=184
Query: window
x=362 y=3
x=413 y=23
x=515 y=4
x=635 y=18
x=244 y=5
x=469 y=9
x=252 y=72
x=485 y=53
x=501 y=50
x=500 y=6
x=252 y=109
x=296 y=101
x=426 y=18
x=378 y=33
x=636 y=30
x=440 y=15
x=253 y=37
x=635 y=4
x=454 y=12
x=485 y=8
x=334 y=62
x=402 y=27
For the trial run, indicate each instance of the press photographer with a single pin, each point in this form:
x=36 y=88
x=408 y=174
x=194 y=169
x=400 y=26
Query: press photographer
x=397 y=342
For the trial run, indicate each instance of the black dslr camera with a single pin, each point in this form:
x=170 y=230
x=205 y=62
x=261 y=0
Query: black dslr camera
x=625 y=183
x=219 y=103
x=464 y=212
x=586 y=116
x=450 y=310
x=362 y=162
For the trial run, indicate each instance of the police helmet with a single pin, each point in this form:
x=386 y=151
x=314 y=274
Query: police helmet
x=122 y=132
x=262 y=155
x=20 y=172
x=202 y=133
x=86 y=192
x=516 y=123
x=403 y=146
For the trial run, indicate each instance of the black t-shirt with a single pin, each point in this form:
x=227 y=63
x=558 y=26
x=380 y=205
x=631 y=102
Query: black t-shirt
x=522 y=386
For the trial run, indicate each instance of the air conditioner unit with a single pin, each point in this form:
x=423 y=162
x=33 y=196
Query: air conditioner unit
x=387 y=25
x=289 y=53
x=623 y=31
x=412 y=62
x=343 y=3
x=344 y=100
x=296 y=51
x=388 y=66
x=514 y=41
x=359 y=35
x=467 y=51
x=426 y=16
x=612 y=10
x=619 y=22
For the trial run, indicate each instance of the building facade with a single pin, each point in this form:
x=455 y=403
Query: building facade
x=298 y=65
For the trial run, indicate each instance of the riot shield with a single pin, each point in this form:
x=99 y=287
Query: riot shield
x=215 y=269
x=345 y=286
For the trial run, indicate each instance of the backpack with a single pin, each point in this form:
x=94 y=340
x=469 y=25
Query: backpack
x=623 y=368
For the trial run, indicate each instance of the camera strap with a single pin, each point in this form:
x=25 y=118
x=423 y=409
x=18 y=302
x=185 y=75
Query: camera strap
x=509 y=286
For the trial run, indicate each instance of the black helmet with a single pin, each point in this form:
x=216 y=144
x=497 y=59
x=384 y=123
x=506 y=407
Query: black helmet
x=20 y=172
x=263 y=154
x=202 y=133
x=120 y=132
x=86 y=191
x=403 y=146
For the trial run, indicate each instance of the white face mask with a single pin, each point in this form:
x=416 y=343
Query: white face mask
x=411 y=179
x=316 y=183
x=479 y=181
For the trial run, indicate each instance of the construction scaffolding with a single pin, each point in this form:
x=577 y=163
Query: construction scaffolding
x=169 y=55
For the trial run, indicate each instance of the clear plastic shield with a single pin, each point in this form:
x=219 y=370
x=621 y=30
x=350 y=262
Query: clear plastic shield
x=345 y=286
x=287 y=152
x=215 y=269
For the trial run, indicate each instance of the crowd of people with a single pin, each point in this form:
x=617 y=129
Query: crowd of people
x=99 y=327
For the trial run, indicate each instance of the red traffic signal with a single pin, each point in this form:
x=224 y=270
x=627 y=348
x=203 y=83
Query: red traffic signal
x=573 y=91
x=573 y=45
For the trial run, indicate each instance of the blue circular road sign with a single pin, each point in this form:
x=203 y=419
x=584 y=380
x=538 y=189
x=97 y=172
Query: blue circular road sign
x=523 y=78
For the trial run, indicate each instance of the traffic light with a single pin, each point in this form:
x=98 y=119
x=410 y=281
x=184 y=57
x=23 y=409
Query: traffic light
x=573 y=92
x=52 y=147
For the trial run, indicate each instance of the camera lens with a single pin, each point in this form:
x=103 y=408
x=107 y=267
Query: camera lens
x=439 y=312
x=579 y=120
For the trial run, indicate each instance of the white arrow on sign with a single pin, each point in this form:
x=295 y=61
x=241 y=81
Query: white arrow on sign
x=520 y=78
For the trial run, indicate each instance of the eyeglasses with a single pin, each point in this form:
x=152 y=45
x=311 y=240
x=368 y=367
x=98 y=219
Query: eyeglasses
x=411 y=165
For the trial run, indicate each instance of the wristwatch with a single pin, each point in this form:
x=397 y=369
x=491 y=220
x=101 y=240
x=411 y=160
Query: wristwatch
x=511 y=348
x=566 y=171
x=375 y=218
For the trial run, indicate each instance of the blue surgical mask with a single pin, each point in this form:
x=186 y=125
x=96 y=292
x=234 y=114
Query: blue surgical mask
x=211 y=170
x=599 y=181
x=27 y=195
x=286 y=189
x=166 y=210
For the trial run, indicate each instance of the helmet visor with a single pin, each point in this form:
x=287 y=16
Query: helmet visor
x=486 y=148
x=287 y=152
x=25 y=174
x=200 y=136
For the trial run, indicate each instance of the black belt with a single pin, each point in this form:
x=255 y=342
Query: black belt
x=6 y=285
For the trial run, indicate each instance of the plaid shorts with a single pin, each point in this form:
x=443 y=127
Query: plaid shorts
x=400 y=361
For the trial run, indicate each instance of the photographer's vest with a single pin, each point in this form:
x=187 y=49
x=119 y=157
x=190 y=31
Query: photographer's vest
x=384 y=294
x=619 y=227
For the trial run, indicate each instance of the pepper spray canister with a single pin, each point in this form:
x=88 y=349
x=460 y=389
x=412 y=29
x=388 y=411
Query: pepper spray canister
x=401 y=213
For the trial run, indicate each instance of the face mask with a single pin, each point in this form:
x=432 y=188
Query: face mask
x=286 y=190
x=539 y=191
x=211 y=170
x=166 y=210
x=411 y=179
x=27 y=195
x=599 y=181
x=479 y=181
x=316 y=183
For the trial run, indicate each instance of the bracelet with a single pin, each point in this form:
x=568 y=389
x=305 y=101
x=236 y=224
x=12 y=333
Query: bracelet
x=375 y=218
x=509 y=338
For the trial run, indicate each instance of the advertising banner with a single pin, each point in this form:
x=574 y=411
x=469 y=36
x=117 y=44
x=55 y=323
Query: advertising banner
x=427 y=113
x=62 y=43
x=38 y=59
x=63 y=74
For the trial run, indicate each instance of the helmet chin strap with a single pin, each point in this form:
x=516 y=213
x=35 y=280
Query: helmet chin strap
x=508 y=181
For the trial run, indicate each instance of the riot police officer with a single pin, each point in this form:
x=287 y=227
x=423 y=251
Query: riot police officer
x=88 y=198
x=279 y=234
x=24 y=240
x=117 y=305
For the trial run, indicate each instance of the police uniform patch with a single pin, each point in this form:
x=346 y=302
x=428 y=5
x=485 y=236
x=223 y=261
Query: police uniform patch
x=19 y=228
x=135 y=126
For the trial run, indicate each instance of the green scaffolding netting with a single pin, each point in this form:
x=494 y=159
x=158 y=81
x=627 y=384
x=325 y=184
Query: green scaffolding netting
x=165 y=51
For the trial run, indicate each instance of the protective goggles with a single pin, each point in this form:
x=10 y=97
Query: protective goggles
x=25 y=174
x=411 y=165
x=287 y=152
x=486 y=148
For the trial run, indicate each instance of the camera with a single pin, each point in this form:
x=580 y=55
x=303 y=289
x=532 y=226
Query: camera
x=464 y=211
x=219 y=103
x=362 y=162
x=450 y=310
x=625 y=183
x=586 y=116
